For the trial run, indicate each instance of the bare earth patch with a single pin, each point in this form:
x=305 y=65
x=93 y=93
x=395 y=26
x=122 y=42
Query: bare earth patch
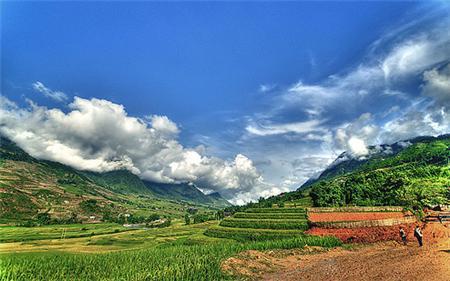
x=380 y=261
x=353 y=216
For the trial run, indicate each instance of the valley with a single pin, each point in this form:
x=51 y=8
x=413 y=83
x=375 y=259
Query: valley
x=62 y=224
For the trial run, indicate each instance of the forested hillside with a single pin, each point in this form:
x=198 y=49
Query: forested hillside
x=415 y=176
x=412 y=173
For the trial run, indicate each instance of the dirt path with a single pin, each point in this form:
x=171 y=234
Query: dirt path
x=381 y=261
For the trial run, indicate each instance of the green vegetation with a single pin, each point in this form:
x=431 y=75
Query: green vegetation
x=412 y=176
x=183 y=259
x=178 y=253
x=18 y=234
x=252 y=234
x=32 y=187
x=301 y=224
x=277 y=210
x=242 y=215
x=260 y=224
x=415 y=177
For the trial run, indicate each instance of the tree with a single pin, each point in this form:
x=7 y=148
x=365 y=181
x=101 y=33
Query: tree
x=187 y=219
x=43 y=218
x=220 y=215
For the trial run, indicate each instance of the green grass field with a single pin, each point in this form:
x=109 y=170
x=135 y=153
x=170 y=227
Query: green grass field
x=301 y=224
x=17 y=234
x=259 y=224
x=242 y=215
x=277 y=210
x=179 y=252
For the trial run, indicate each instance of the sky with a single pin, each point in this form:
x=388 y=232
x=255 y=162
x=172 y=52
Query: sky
x=248 y=99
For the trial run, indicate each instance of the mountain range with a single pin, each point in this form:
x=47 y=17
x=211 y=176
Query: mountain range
x=29 y=186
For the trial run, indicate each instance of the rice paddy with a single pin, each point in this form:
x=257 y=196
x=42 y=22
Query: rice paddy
x=258 y=224
x=179 y=252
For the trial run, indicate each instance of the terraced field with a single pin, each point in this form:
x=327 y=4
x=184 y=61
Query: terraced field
x=262 y=224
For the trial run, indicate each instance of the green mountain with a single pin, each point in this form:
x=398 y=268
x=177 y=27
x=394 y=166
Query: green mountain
x=120 y=181
x=346 y=163
x=412 y=173
x=29 y=186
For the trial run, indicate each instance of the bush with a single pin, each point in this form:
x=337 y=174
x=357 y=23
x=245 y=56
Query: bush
x=43 y=218
x=199 y=218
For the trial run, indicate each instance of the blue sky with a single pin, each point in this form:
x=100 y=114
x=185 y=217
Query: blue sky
x=286 y=85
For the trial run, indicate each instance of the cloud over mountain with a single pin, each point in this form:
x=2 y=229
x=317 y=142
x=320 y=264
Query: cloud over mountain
x=99 y=135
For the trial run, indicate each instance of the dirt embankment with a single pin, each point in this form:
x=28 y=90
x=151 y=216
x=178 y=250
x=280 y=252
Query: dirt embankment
x=432 y=232
x=361 y=227
x=353 y=216
x=380 y=261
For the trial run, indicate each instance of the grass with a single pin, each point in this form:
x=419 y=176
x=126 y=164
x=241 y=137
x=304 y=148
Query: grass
x=18 y=234
x=301 y=224
x=251 y=234
x=183 y=259
x=276 y=210
x=261 y=224
x=243 y=215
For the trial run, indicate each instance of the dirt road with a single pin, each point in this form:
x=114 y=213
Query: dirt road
x=380 y=261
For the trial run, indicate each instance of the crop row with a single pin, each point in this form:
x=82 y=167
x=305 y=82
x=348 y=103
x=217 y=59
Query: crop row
x=276 y=210
x=270 y=215
x=301 y=224
x=252 y=234
x=171 y=262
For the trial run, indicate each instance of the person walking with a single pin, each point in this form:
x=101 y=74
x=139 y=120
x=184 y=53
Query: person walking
x=418 y=234
x=403 y=235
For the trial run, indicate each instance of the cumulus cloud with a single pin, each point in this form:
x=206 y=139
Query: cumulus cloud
x=99 y=135
x=355 y=137
x=55 y=95
x=164 y=125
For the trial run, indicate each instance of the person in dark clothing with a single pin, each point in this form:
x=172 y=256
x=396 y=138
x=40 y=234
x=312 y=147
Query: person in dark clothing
x=403 y=235
x=418 y=234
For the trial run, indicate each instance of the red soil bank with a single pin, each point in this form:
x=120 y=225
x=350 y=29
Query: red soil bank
x=432 y=232
x=353 y=216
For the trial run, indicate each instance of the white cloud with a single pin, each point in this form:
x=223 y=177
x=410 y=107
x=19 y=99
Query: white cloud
x=164 y=125
x=98 y=135
x=417 y=54
x=356 y=136
x=414 y=123
x=276 y=129
x=55 y=95
x=437 y=85
x=357 y=146
x=264 y=88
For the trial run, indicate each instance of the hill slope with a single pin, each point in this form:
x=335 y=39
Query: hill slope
x=29 y=186
x=346 y=163
x=413 y=175
x=185 y=192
